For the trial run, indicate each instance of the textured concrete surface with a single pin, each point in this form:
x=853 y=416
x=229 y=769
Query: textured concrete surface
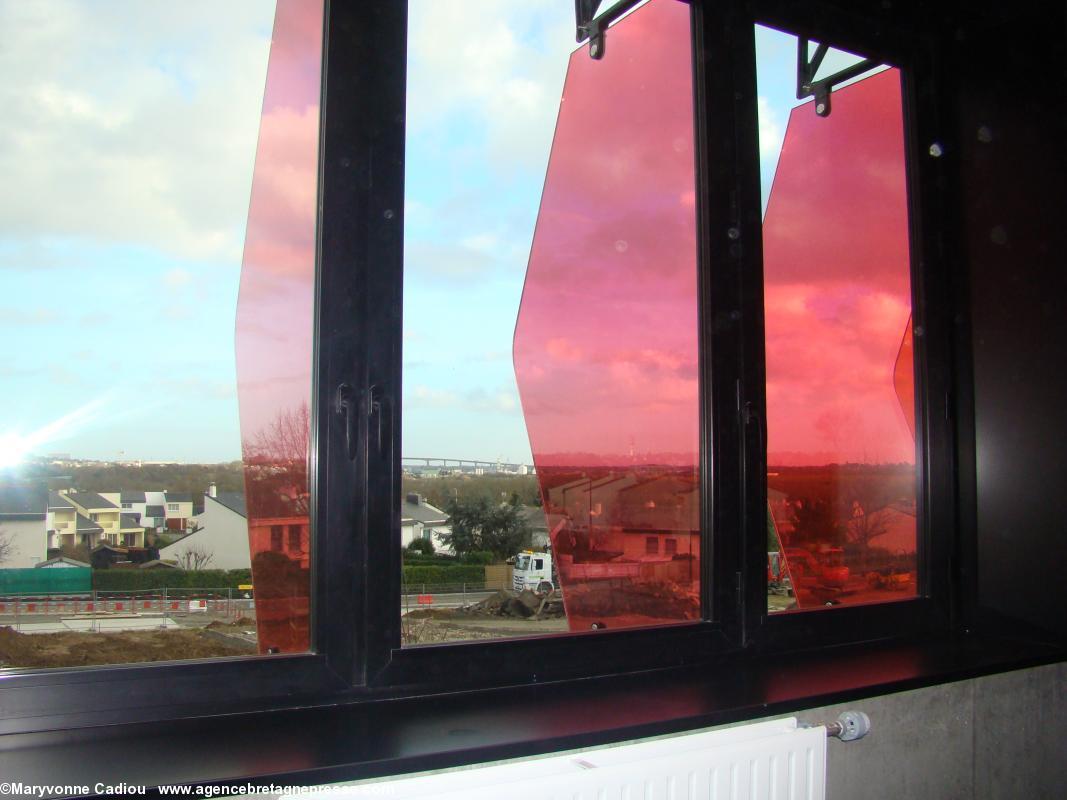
x=1020 y=734
x=920 y=746
x=1004 y=736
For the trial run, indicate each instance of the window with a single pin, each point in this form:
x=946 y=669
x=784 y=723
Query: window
x=172 y=150
x=598 y=327
x=569 y=287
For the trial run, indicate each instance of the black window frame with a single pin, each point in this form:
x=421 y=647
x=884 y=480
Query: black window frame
x=355 y=457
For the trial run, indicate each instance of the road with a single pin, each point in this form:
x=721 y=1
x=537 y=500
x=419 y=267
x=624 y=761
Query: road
x=410 y=602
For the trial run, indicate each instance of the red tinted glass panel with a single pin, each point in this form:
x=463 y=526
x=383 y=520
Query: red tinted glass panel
x=840 y=375
x=605 y=349
x=274 y=325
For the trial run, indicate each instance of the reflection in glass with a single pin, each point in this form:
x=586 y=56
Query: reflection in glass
x=840 y=374
x=605 y=348
x=274 y=329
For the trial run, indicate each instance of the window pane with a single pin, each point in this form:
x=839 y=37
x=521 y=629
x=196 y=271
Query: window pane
x=160 y=168
x=574 y=380
x=840 y=377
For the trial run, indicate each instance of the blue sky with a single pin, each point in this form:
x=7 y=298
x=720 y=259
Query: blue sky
x=127 y=147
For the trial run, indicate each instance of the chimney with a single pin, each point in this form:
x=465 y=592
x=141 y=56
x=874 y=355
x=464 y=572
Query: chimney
x=414 y=499
x=212 y=490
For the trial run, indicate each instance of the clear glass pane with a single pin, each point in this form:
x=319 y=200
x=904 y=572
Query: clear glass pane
x=840 y=377
x=147 y=451
x=592 y=399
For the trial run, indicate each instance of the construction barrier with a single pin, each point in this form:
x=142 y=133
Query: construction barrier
x=165 y=603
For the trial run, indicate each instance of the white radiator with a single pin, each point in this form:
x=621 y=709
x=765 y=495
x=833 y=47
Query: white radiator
x=764 y=761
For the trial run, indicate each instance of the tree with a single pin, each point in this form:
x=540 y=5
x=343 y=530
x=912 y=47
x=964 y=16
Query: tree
x=424 y=546
x=7 y=546
x=865 y=511
x=76 y=552
x=478 y=525
x=505 y=531
x=194 y=558
x=815 y=522
x=276 y=465
x=466 y=518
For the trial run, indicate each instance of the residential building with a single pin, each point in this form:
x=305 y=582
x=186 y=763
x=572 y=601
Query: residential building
x=61 y=522
x=99 y=521
x=23 y=538
x=420 y=520
x=62 y=562
x=178 y=508
x=149 y=506
x=222 y=535
x=287 y=535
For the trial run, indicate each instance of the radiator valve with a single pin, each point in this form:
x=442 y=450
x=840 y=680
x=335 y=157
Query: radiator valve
x=850 y=725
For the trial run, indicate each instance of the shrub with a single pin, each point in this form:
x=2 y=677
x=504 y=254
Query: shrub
x=424 y=546
x=118 y=580
x=459 y=573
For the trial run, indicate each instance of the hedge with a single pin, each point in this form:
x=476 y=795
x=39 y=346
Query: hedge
x=113 y=580
x=450 y=574
x=131 y=579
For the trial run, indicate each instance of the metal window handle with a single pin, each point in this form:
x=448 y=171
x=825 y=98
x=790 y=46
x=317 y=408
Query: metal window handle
x=375 y=411
x=344 y=406
x=372 y=407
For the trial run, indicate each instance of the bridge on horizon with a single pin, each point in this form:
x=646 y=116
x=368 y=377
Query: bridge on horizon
x=465 y=464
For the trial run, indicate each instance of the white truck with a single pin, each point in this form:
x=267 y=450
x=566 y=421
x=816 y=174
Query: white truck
x=533 y=571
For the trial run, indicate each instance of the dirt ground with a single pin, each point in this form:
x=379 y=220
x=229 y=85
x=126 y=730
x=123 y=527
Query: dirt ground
x=443 y=626
x=120 y=647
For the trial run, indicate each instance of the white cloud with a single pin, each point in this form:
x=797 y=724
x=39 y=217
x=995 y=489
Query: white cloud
x=131 y=121
x=177 y=278
x=770 y=131
x=481 y=60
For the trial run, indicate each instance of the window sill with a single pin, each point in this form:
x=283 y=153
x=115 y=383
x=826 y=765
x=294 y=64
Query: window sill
x=348 y=742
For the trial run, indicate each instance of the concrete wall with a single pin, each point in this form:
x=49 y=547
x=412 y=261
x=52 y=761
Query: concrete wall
x=1004 y=736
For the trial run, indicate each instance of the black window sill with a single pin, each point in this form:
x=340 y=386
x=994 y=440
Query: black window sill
x=386 y=737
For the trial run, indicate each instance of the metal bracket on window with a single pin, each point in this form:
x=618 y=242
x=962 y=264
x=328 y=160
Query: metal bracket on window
x=594 y=28
x=820 y=89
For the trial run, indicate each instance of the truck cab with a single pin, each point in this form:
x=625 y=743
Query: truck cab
x=533 y=571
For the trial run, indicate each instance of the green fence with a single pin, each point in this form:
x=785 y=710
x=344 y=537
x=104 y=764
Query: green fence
x=48 y=580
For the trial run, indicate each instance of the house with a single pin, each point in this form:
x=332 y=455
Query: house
x=148 y=506
x=97 y=521
x=420 y=520
x=287 y=535
x=23 y=536
x=62 y=562
x=178 y=508
x=222 y=535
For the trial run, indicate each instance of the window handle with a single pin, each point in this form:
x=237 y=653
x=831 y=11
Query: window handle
x=375 y=411
x=344 y=407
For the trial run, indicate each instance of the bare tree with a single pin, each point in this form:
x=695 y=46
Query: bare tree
x=276 y=465
x=284 y=441
x=195 y=558
x=7 y=546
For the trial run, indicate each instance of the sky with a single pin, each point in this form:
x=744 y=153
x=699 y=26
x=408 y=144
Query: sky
x=127 y=146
